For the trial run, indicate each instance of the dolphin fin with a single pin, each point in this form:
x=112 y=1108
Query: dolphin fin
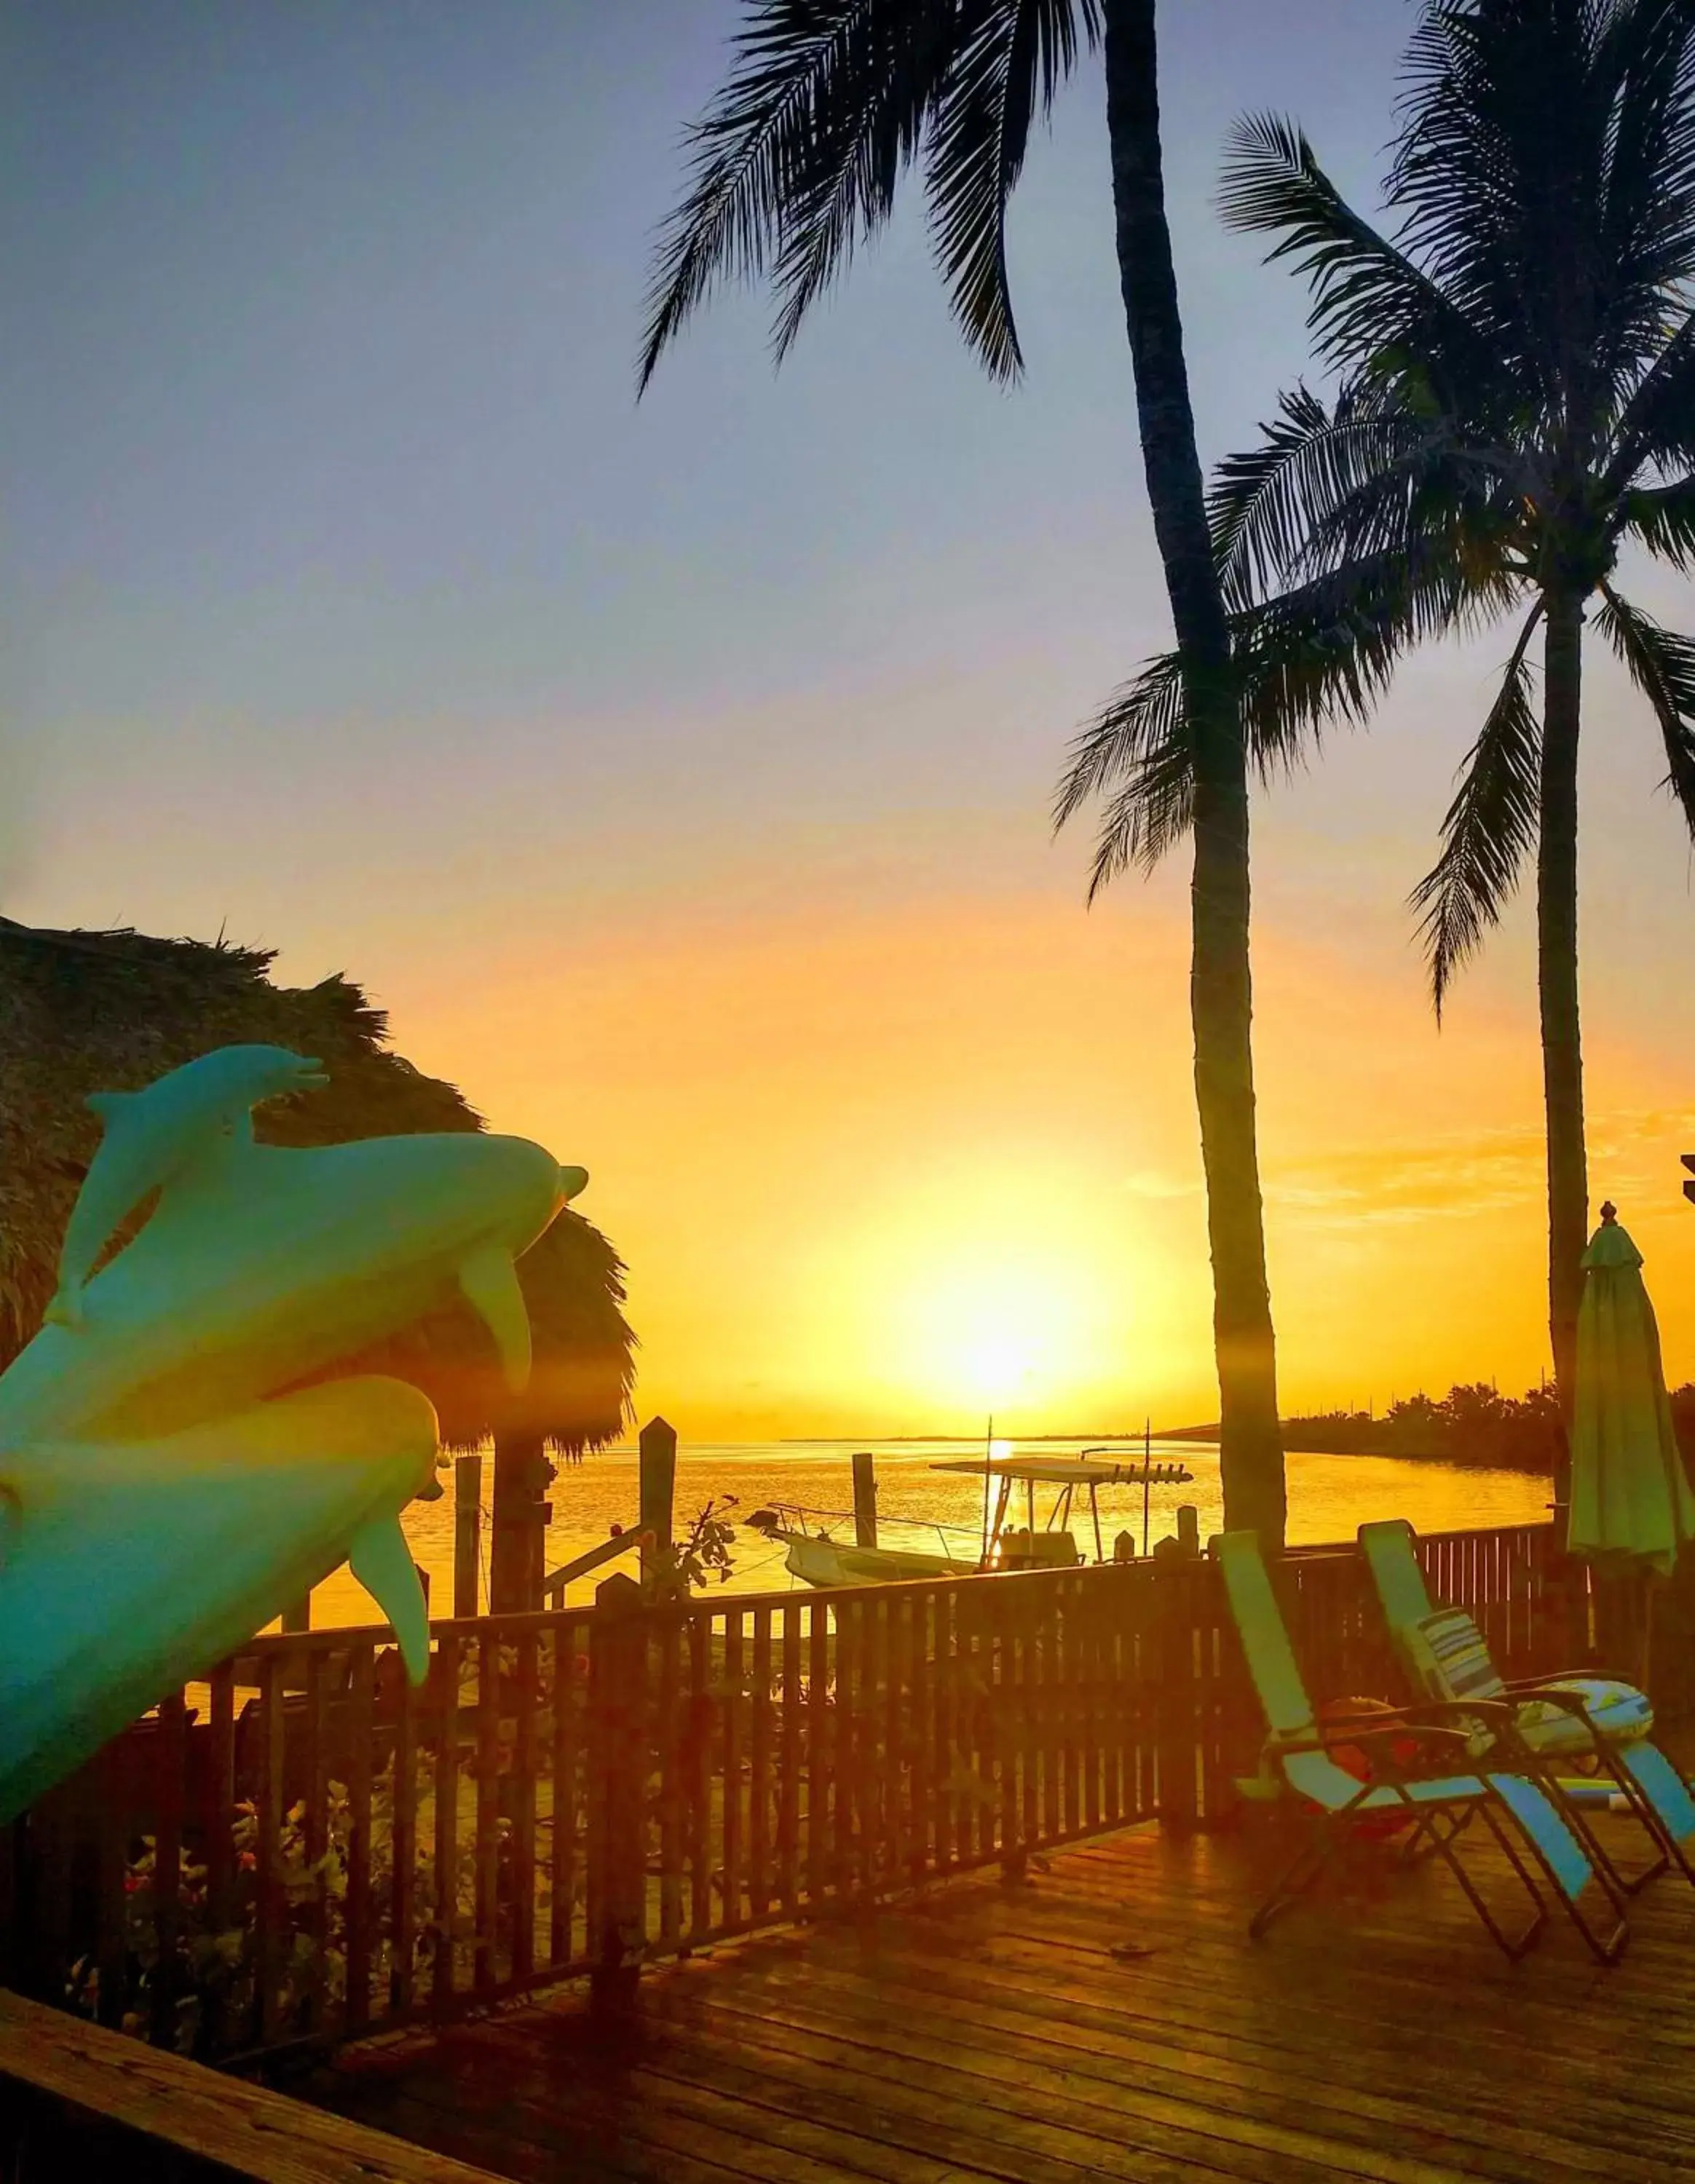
x=380 y=1559
x=105 y=1105
x=490 y=1282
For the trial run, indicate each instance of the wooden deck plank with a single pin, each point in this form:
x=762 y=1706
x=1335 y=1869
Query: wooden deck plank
x=986 y=2031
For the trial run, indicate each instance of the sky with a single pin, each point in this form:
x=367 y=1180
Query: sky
x=677 y=774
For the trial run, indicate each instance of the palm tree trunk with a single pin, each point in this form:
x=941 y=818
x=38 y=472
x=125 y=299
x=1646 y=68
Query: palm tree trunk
x=1220 y=993
x=1568 y=1181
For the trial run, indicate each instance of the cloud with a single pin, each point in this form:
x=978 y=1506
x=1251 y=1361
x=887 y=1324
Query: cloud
x=1458 y=1177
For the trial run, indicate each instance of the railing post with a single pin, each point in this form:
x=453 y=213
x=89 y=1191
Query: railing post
x=1177 y=1729
x=617 y=1775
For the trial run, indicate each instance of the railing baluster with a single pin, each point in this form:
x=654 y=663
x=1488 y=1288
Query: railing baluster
x=361 y=1728
x=789 y=1783
x=446 y=1906
x=167 y=1863
x=267 y=1941
x=563 y=1798
x=819 y=1749
x=404 y=1808
x=943 y=1758
x=668 y=1749
x=758 y=1768
x=315 y=1831
x=485 y=1886
x=699 y=1807
x=521 y=1792
x=845 y=1742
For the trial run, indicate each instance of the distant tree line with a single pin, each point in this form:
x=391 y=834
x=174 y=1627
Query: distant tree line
x=1473 y=1423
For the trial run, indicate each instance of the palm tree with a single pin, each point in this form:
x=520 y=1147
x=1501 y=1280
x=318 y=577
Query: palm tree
x=1516 y=403
x=798 y=159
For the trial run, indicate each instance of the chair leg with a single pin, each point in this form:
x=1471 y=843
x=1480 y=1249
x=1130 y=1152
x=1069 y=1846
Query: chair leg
x=1297 y=1876
x=1512 y=1947
x=1607 y=1950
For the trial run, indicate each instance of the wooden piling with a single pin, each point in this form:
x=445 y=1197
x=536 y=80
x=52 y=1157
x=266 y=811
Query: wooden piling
x=864 y=1498
x=657 y=1446
x=467 y=1533
x=518 y=1550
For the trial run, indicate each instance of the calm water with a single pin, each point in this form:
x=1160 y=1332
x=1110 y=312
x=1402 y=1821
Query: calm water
x=1329 y=1497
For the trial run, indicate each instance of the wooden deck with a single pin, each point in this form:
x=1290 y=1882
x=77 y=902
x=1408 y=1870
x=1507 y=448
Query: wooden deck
x=987 y=2030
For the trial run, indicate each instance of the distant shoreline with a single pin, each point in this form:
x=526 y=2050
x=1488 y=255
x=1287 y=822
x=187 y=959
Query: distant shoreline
x=1363 y=1439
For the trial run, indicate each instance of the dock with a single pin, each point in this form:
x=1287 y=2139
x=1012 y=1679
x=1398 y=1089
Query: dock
x=987 y=2030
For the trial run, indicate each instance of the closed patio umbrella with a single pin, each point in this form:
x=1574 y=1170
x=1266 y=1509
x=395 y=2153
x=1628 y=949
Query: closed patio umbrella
x=1631 y=1498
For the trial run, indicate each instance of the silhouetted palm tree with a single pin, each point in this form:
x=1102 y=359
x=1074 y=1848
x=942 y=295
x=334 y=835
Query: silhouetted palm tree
x=1515 y=402
x=798 y=159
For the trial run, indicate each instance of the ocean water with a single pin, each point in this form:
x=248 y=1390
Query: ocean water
x=1329 y=1497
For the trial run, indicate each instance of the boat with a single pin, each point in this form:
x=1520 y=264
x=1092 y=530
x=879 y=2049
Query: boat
x=816 y=1557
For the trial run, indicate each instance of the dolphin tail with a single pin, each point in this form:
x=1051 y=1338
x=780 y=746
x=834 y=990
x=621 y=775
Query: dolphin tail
x=65 y=1309
x=381 y=1560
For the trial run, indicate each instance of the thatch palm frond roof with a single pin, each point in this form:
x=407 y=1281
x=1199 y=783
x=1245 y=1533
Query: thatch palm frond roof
x=110 y=1011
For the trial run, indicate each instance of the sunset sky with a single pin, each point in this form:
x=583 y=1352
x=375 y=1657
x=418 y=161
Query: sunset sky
x=678 y=776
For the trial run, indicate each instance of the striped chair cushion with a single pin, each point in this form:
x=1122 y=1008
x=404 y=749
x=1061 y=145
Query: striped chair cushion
x=1619 y=1711
x=1448 y=1656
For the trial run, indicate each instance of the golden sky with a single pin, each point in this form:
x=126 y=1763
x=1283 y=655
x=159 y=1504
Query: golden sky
x=678 y=775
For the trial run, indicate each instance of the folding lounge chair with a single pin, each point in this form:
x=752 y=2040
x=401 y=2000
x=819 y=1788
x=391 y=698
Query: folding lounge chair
x=1514 y=1807
x=1557 y=1718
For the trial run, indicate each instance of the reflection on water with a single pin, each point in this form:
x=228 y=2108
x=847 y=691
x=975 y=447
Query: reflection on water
x=1329 y=1497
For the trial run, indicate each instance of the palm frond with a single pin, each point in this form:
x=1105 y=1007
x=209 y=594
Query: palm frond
x=1546 y=177
x=1663 y=518
x=1326 y=650
x=800 y=152
x=1646 y=57
x=1140 y=740
x=1263 y=503
x=1322 y=653
x=1016 y=57
x=1657 y=424
x=1498 y=170
x=1372 y=310
x=1488 y=828
x=1662 y=665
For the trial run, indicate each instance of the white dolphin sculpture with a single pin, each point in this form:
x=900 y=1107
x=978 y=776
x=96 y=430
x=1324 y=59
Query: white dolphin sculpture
x=166 y=1484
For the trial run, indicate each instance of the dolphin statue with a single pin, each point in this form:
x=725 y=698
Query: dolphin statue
x=167 y=1482
x=150 y=1135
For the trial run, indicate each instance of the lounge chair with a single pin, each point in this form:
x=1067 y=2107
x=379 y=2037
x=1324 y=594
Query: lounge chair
x=1557 y=1718
x=1514 y=1807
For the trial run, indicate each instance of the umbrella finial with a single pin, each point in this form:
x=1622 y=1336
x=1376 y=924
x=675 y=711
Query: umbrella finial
x=1609 y=1211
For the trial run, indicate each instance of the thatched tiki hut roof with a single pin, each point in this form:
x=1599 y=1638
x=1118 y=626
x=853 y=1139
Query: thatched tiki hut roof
x=83 y=1012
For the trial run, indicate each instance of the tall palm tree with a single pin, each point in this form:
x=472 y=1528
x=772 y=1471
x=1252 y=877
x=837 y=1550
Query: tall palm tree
x=1516 y=403
x=798 y=159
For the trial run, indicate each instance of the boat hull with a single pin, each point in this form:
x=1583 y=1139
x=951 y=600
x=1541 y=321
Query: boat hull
x=827 y=1562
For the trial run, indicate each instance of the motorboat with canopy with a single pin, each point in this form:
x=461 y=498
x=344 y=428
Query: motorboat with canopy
x=1069 y=1486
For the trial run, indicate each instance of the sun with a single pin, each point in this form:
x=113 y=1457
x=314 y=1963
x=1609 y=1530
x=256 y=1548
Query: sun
x=992 y=1332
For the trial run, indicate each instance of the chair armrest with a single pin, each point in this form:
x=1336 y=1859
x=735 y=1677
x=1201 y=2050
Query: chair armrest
x=1537 y=1686
x=1359 y=1732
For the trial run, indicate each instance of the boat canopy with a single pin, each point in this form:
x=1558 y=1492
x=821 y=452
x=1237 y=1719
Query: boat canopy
x=1070 y=1471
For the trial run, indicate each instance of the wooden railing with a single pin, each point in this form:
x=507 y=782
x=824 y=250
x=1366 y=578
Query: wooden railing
x=76 y=2101
x=303 y=1849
